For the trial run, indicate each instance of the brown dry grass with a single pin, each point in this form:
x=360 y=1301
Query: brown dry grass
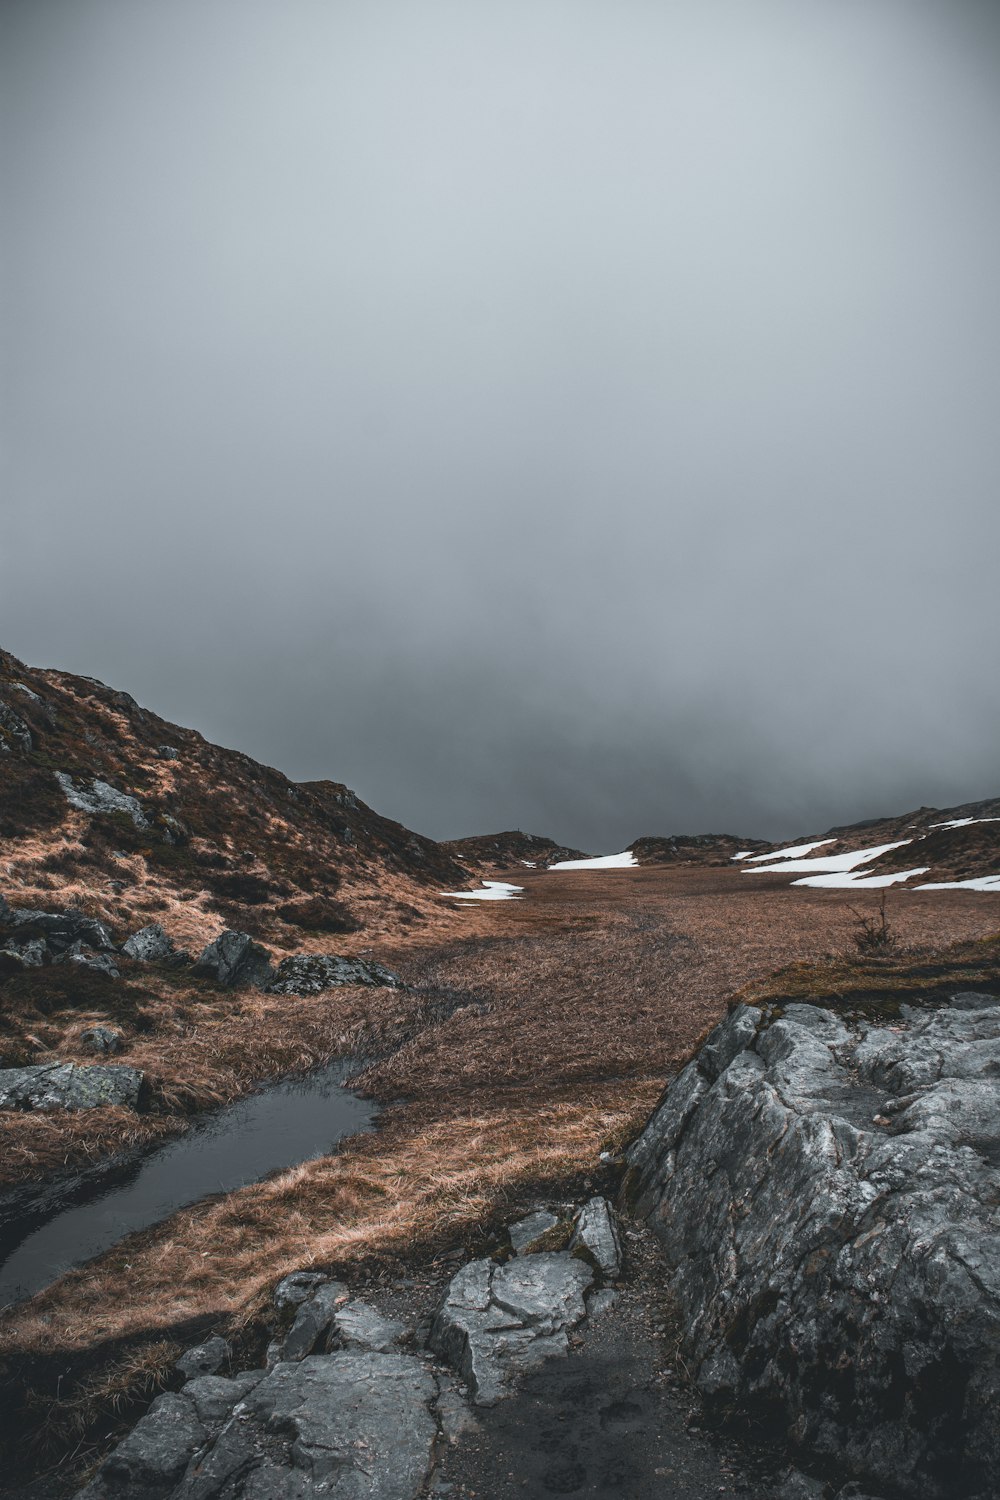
x=581 y=1001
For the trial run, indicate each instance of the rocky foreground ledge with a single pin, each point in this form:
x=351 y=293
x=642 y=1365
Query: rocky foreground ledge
x=828 y=1195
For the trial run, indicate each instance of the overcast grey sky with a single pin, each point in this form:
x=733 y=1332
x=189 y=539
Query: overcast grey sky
x=568 y=415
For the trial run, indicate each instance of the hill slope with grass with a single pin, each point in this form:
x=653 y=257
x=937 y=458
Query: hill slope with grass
x=109 y=808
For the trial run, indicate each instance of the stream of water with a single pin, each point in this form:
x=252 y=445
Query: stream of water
x=290 y=1122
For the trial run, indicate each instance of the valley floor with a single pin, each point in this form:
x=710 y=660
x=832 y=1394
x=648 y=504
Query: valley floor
x=547 y=1030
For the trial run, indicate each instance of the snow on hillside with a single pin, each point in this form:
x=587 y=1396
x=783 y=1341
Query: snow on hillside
x=495 y=890
x=623 y=861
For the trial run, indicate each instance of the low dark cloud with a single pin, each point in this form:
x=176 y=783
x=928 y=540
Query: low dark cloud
x=565 y=415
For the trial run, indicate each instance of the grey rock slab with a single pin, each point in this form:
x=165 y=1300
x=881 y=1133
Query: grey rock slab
x=101 y=797
x=311 y=973
x=149 y=944
x=204 y=1359
x=527 y=1230
x=843 y=1272
x=597 y=1233
x=360 y=1423
x=234 y=959
x=357 y=1325
x=69 y=1086
x=545 y=1291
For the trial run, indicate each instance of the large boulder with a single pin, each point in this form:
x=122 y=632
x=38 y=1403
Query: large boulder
x=68 y=1086
x=311 y=973
x=827 y=1193
x=234 y=959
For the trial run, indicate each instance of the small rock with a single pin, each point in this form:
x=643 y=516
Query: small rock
x=235 y=959
x=526 y=1231
x=204 y=1359
x=357 y=1325
x=103 y=1039
x=15 y=728
x=602 y=1302
x=313 y=1319
x=296 y=1287
x=597 y=1234
x=149 y=944
x=103 y=963
x=167 y=752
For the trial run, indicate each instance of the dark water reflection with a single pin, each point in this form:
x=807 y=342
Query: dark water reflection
x=290 y=1122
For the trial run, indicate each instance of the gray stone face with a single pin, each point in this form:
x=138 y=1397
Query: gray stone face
x=311 y=973
x=101 y=797
x=526 y=1231
x=497 y=1322
x=296 y=1287
x=313 y=1320
x=828 y=1198
x=204 y=1359
x=68 y=1086
x=358 y=1326
x=597 y=1234
x=234 y=959
x=149 y=944
x=153 y=1457
x=361 y=1424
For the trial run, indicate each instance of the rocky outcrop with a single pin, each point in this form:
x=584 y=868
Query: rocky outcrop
x=68 y=1086
x=311 y=973
x=347 y=1409
x=357 y=1423
x=827 y=1193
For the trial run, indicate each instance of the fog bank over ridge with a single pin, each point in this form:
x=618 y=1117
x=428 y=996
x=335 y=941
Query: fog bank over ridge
x=557 y=416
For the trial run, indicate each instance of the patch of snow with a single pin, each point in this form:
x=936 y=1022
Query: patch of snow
x=978 y=883
x=963 y=822
x=849 y=880
x=743 y=854
x=827 y=864
x=529 y=864
x=622 y=861
x=795 y=852
x=495 y=890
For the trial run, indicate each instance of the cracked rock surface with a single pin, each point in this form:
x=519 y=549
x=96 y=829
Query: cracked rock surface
x=498 y=1322
x=827 y=1194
